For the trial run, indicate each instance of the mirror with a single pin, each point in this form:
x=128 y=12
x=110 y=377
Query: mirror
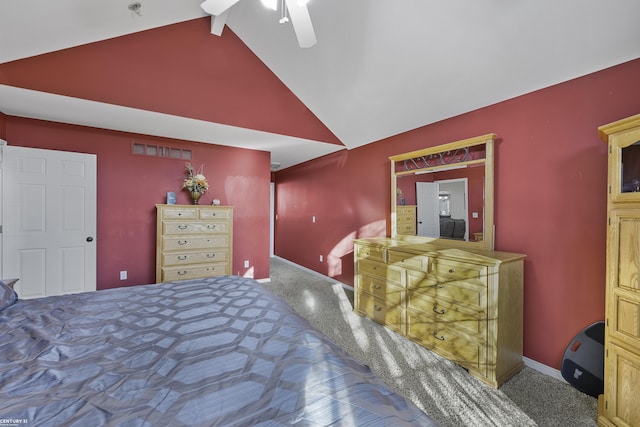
x=445 y=193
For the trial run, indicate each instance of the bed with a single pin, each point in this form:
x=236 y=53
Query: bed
x=215 y=351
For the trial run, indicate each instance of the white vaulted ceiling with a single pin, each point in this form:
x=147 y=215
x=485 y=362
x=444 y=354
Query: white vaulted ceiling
x=379 y=68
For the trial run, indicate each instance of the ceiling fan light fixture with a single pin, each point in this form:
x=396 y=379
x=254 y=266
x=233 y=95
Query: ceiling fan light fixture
x=271 y=4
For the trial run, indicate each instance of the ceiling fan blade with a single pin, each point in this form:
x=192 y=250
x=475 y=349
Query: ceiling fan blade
x=217 y=23
x=217 y=7
x=301 y=21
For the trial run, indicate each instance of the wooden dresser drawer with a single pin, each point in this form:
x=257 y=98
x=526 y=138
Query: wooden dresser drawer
x=462 y=293
x=471 y=322
x=369 y=252
x=179 y=212
x=406 y=228
x=378 y=287
x=411 y=219
x=460 y=348
x=215 y=213
x=404 y=210
x=458 y=270
x=408 y=260
x=194 y=271
x=183 y=227
x=177 y=258
x=377 y=310
x=381 y=270
x=170 y=243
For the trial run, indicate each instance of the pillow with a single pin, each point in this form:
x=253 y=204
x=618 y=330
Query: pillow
x=7 y=295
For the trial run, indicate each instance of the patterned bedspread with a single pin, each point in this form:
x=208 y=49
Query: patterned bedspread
x=217 y=351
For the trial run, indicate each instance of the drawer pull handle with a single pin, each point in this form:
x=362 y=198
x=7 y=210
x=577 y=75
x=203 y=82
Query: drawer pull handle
x=438 y=286
x=441 y=311
x=210 y=226
x=452 y=270
x=182 y=227
x=377 y=287
x=438 y=337
x=182 y=257
x=377 y=308
x=182 y=242
x=182 y=273
x=211 y=255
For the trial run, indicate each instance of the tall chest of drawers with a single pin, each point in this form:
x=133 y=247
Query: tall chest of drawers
x=464 y=305
x=193 y=241
x=406 y=220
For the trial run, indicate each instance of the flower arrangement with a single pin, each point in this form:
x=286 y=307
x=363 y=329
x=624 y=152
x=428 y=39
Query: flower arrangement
x=195 y=182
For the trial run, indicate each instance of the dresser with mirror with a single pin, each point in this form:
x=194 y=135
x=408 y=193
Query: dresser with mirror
x=442 y=284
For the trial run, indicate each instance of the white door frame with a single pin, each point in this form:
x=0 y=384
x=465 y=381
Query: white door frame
x=272 y=215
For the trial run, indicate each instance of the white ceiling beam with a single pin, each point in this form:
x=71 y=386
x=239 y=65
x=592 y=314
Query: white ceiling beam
x=218 y=22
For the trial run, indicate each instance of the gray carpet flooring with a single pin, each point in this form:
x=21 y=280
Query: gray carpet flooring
x=439 y=387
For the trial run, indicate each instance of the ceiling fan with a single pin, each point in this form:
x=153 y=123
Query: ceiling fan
x=297 y=10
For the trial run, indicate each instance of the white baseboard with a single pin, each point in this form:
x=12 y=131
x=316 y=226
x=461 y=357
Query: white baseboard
x=547 y=370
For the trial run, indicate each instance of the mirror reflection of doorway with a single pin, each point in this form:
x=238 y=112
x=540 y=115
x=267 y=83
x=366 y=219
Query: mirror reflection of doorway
x=427 y=210
x=432 y=198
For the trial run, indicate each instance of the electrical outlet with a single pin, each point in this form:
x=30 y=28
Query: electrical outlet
x=123 y=275
x=321 y=258
x=474 y=215
x=246 y=263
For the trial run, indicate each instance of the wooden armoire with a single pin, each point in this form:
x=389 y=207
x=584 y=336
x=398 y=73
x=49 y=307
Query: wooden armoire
x=619 y=406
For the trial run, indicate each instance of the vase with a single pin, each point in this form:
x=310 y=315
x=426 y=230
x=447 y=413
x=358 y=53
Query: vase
x=195 y=196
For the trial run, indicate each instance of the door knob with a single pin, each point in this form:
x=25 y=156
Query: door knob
x=89 y=239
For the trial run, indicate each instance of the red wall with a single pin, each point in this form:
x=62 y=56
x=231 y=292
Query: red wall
x=178 y=69
x=130 y=185
x=551 y=172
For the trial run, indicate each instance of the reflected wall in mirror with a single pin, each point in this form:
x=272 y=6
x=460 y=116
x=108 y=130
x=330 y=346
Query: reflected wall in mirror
x=445 y=193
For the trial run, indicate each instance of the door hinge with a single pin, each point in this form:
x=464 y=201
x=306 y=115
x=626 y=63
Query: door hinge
x=0 y=228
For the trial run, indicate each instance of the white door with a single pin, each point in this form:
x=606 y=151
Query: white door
x=427 y=214
x=49 y=221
